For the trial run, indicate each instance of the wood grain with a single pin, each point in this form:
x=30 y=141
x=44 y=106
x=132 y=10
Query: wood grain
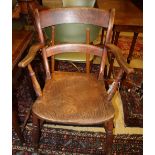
x=73 y=15
x=74 y=98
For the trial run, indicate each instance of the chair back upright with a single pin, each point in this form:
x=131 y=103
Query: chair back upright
x=79 y=15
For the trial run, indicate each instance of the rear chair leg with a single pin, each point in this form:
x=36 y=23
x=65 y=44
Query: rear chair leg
x=35 y=132
x=109 y=136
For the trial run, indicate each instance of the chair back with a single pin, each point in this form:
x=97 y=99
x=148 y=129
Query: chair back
x=69 y=33
x=79 y=15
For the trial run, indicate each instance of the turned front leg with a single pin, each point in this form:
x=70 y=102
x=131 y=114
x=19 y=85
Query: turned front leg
x=35 y=132
x=109 y=136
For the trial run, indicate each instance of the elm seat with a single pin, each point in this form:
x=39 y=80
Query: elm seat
x=74 y=99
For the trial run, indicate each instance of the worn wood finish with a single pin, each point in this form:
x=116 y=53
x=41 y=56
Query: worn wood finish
x=31 y=55
x=108 y=125
x=63 y=103
x=57 y=49
x=75 y=98
x=60 y=16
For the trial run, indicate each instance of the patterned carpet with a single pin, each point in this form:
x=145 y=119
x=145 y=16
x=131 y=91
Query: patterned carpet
x=124 y=43
x=131 y=92
x=70 y=142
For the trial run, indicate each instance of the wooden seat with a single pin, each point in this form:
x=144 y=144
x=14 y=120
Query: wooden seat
x=74 y=98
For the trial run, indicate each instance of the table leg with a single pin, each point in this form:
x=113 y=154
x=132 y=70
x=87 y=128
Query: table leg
x=15 y=123
x=131 y=51
x=15 y=120
x=132 y=47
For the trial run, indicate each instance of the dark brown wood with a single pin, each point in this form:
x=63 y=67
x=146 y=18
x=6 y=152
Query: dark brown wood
x=15 y=123
x=38 y=26
x=109 y=136
x=35 y=132
x=60 y=16
x=102 y=36
x=127 y=14
x=20 y=41
x=75 y=98
x=26 y=4
x=128 y=18
x=107 y=40
x=62 y=48
x=23 y=9
x=132 y=47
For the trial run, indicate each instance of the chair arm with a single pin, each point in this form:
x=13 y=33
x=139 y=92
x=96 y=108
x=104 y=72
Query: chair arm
x=119 y=57
x=30 y=56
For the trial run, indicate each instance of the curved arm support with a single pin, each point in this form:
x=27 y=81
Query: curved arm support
x=119 y=57
x=30 y=56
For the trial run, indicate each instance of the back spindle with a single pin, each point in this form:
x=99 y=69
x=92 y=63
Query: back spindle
x=87 y=54
x=52 y=41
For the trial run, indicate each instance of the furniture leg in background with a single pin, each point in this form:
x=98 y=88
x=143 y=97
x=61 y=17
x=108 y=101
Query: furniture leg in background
x=20 y=41
x=128 y=18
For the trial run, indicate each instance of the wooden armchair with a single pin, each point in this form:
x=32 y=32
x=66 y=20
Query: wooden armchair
x=74 y=98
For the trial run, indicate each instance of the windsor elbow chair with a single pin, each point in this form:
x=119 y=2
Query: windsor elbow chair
x=71 y=97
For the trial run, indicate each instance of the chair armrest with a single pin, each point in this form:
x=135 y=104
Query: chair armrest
x=30 y=56
x=119 y=57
